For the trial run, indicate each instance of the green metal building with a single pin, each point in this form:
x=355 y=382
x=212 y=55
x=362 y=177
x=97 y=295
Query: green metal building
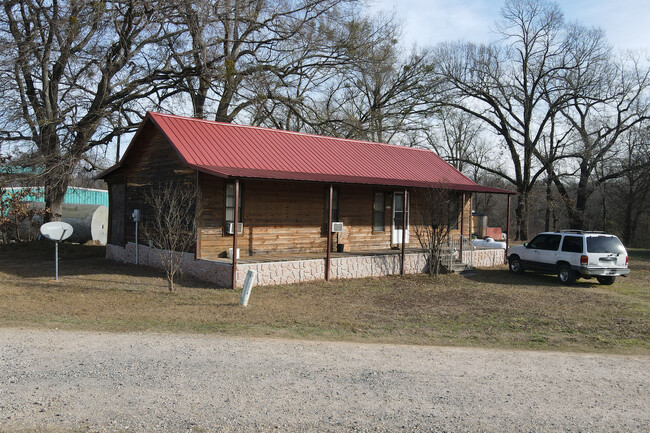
x=73 y=195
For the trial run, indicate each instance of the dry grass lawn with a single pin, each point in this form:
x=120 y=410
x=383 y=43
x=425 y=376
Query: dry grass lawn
x=490 y=309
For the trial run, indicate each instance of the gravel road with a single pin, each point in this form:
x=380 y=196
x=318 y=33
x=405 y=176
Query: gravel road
x=58 y=381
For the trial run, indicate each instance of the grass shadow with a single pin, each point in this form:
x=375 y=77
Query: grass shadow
x=36 y=260
x=502 y=276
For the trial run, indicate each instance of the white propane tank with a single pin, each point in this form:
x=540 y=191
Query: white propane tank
x=89 y=221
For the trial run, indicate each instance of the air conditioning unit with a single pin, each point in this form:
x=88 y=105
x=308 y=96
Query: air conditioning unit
x=230 y=228
x=337 y=227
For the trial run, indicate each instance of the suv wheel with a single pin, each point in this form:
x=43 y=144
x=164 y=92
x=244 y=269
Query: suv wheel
x=607 y=281
x=515 y=265
x=566 y=275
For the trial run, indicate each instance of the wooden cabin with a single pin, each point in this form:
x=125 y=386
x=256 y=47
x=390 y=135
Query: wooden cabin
x=279 y=185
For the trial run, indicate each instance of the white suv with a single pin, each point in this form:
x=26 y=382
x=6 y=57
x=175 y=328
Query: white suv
x=572 y=254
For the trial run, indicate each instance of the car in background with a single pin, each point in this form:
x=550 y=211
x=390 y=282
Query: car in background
x=572 y=254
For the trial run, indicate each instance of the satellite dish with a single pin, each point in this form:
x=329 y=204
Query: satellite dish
x=56 y=231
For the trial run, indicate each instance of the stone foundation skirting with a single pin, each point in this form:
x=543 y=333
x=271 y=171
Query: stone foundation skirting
x=485 y=258
x=301 y=271
x=214 y=272
x=290 y=272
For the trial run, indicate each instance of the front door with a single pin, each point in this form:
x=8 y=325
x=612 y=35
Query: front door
x=398 y=218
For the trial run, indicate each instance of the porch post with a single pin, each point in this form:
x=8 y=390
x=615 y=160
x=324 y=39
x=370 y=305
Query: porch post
x=197 y=218
x=505 y=259
x=471 y=217
x=329 y=233
x=234 y=237
x=404 y=209
x=462 y=224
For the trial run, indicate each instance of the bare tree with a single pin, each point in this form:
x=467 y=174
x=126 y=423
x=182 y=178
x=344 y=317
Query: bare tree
x=514 y=87
x=65 y=67
x=434 y=223
x=457 y=137
x=632 y=189
x=233 y=54
x=609 y=100
x=291 y=99
x=169 y=224
x=378 y=95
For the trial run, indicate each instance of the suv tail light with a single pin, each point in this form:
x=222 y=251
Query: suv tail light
x=627 y=260
x=584 y=260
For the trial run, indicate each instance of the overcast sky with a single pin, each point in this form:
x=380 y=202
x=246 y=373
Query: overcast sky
x=626 y=22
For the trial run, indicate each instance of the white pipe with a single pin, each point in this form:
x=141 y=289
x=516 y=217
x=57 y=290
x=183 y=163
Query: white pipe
x=248 y=286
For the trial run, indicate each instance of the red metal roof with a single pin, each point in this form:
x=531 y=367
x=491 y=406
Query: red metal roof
x=229 y=150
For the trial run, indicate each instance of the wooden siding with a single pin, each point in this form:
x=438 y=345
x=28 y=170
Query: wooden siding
x=277 y=216
x=152 y=161
x=356 y=213
x=282 y=216
x=116 y=195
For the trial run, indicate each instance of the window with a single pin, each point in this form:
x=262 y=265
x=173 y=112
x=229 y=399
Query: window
x=572 y=244
x=453 y=212
x=378 y=213
x=230 y=203
x=604 y=244
x=545 y=242
x=398 y=211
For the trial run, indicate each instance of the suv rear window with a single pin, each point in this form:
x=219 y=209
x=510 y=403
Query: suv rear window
x=572 y=244
x=604 y=244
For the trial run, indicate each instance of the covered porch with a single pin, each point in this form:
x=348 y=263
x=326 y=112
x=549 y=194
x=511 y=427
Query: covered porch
x=393 y=252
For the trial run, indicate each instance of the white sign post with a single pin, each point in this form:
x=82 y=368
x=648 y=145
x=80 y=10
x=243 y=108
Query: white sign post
x=56 y=231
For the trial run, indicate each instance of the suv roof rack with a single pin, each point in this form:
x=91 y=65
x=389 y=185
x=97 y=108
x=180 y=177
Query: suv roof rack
x=581 y=231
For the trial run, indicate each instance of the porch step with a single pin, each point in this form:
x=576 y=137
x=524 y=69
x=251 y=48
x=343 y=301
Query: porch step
x=462 y=268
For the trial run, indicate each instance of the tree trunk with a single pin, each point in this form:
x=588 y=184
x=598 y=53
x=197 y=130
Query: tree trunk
x=604 y=208
x=549 y=202
x=577 y=214
x=521 y=216
x=54 y=198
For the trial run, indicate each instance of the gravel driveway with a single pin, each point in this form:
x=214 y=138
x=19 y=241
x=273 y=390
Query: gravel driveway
x=82 y=381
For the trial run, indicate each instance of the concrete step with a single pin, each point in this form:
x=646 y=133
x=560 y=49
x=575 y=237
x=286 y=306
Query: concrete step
x=462 y=268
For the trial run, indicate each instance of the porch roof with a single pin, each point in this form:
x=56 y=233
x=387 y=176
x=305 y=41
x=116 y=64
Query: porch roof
x=237 y=151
